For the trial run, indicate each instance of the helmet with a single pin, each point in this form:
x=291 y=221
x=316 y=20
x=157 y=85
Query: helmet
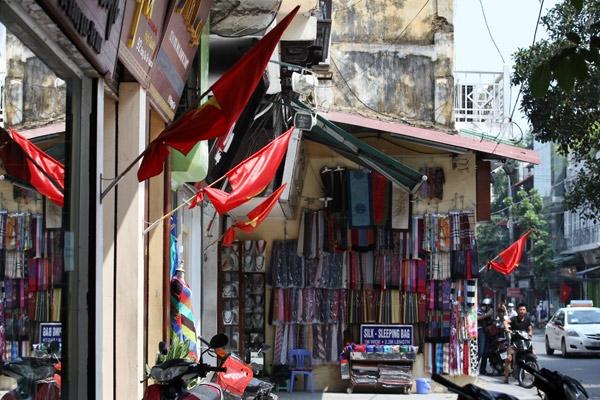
x=487 y=301
x=511 y=305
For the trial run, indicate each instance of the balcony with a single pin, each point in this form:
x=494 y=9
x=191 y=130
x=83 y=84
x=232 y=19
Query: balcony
x=586 y=236
x=482 y=103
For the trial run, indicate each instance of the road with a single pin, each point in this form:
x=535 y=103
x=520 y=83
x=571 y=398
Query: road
x=586 y=369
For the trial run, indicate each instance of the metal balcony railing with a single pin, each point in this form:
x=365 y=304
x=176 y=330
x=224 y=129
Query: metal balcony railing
x=583 y=236
x=479 y=96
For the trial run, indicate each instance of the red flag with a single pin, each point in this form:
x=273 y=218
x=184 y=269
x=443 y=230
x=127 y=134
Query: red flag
x=215 y=117
x=248 y=178
x=255 y=217
x=27 y=162
x=565 y=292
x=510 y=257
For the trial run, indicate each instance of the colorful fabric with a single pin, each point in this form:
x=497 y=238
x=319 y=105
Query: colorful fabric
x=359 y=194
x=183 y=323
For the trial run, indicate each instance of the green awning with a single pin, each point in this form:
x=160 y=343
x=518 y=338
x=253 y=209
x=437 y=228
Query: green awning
x=354 y=149
x=190 y=168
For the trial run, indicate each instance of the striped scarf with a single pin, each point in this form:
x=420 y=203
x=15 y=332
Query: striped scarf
x=182 y=318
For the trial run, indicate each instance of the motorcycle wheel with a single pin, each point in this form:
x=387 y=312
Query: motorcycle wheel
x=496 y=364
x=525 y=378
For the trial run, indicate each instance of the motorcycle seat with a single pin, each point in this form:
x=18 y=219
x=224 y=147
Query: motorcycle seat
x=206 y=392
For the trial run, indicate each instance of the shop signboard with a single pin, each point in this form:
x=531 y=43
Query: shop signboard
x=401 y=335
x=514 y=292
x=50 y=332
x=143 y=22
x=176 y=54
x=93 y=26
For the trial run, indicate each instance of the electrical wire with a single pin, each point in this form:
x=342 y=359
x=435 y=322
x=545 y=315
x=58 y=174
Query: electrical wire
x=490 y=32
x=514 y=108
x=256 y=31
x=531 y=195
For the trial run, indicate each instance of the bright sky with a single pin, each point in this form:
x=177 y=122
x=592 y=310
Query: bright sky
x=512 y=23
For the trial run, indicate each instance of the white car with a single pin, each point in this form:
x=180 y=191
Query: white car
x=574 y=330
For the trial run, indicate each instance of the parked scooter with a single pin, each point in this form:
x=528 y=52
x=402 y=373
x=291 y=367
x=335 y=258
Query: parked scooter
x=556 y=386
x=173 y=377
x=497 y=349
x=470 y=391
x=521 y=343
x=239 y=381
x=551 y=385
x=35 y=377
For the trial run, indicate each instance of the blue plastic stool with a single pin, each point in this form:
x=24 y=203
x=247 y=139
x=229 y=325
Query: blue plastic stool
x=300 y=363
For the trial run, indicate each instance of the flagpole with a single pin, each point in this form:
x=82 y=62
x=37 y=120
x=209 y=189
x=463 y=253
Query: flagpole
x=119 y=177
x=173 y=211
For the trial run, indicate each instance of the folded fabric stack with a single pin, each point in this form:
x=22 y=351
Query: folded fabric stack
x=364 y=375
x=394 y=375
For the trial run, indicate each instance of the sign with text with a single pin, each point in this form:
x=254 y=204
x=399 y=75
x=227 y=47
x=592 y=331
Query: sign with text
x=142 y=31
x=174 y=60
x=514 y=292
x=50 y=332
x=93 y=26
x=401 y=335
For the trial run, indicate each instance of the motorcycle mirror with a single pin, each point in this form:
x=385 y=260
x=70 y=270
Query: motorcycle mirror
x=54 y=347
x=219 y=340
x=162 y=348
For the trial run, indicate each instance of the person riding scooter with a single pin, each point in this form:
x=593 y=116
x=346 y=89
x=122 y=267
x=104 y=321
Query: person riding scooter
x=519 y=323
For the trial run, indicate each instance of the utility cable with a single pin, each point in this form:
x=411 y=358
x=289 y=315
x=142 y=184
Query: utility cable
x=490 y=32
x=514 y=108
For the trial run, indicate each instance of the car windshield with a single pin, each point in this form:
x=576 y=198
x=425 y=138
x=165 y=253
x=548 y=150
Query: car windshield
x=581 y=317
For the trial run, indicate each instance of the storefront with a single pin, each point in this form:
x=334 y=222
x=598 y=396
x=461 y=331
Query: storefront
x=370 y=243
x=48 y=101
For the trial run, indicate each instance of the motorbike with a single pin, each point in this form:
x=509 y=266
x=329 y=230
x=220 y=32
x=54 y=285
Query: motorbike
x=173 y=377
x=35 y=377
x=554 y=385
x=470 y=391
x=497 y=349
x=240 y=381
x=551 y=385
x=523 y=353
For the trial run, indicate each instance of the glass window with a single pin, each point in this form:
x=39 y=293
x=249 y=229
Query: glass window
x=32 y=239
x=583 y=317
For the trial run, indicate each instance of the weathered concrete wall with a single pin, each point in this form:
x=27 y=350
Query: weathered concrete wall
x=34 y=96
x=392 y=59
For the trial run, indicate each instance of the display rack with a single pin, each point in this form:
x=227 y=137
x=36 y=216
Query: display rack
x=381 y=372
x=241 y=286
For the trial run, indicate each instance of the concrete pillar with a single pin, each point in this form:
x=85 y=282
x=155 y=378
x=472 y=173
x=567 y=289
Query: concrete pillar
x=105 y=290
x=129 y=268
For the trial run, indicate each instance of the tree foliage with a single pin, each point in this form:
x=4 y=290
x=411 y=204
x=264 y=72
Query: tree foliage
x=528 y=213
x=560 y=81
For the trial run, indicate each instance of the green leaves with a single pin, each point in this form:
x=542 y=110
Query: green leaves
x=577 y=5
x=540 y=79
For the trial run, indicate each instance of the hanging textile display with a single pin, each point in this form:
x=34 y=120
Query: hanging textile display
x=31 y=265
x=364 y=258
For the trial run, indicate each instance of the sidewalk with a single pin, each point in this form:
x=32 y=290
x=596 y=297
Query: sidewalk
x=486 y=382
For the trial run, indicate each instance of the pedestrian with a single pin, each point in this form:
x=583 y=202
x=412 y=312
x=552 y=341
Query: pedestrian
x=484 y=318
x=511 y=310
x=520 y=322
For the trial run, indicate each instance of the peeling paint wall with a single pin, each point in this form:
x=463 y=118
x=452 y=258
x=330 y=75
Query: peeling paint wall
x=34 y=96
x=392 y=59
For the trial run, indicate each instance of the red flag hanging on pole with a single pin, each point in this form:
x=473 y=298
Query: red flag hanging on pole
x=25 y=161
x=215 y=117
x=508 y=260
x=565 y=292
x=255 y=217
x=248 y=178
